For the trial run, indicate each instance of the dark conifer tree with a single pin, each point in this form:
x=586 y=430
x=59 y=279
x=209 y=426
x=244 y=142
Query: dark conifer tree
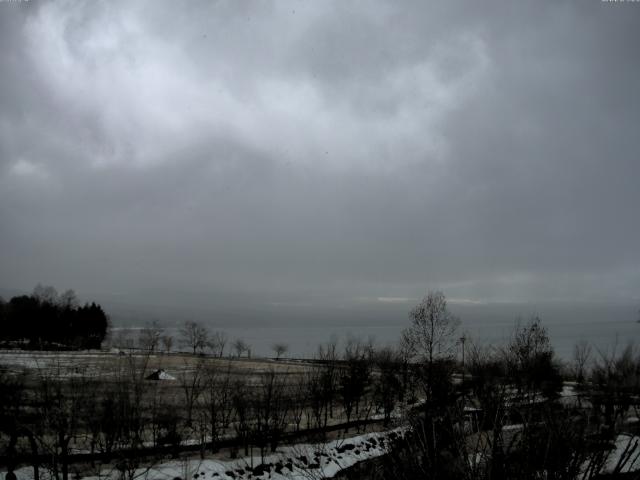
x=40 y=321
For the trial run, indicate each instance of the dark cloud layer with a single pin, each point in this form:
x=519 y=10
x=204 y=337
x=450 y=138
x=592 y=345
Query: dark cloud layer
x=317 y=151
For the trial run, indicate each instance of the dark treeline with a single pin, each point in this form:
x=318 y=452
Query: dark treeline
x=46 y=320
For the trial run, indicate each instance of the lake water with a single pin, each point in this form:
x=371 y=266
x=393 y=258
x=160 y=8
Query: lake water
x=304 y=341
x=605 y=327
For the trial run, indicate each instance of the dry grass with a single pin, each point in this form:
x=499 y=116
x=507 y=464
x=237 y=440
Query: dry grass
x=100 y=364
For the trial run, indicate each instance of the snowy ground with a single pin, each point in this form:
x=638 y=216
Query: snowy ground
x=297 y=462
x=626 y=455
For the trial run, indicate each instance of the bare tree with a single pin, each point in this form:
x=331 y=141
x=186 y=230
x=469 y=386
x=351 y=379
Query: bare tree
x=432 y=333
x=216 y=400
x=316 y=397
x=240 y=346
x=192 y=381
x=615 y=384
x=531 y=364
x=61 y=398
x=125 y=416
x=269 y=412
x=122 y=340
x=217 y=343
x=149 y=337
x=45 y=294
x=354 y=377
x=194 y=336
x=167 y=342
x=68 y=299
x=242 y=402
x=387 y=386
x=431 y=340
x=298 y=400
x=328 y=355
x=279 y=349
x=581 y=359
x=13 y=421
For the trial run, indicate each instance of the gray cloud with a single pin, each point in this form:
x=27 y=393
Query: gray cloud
x=326 y=151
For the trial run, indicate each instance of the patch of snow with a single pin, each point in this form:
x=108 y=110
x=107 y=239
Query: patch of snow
x=625 y=453
x=162 y=375
x=297 y=462
x=515 y=426
x=469 y=409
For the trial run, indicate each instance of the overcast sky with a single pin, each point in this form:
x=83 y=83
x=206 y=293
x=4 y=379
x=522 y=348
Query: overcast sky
x=319 y=151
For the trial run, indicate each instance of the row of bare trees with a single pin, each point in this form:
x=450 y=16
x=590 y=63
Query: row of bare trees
x=501 y=414
x=114 y=413
x=513 y=415
x=193 y=337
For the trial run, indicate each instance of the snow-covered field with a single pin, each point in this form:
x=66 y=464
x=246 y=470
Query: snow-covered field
x=298 y=462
